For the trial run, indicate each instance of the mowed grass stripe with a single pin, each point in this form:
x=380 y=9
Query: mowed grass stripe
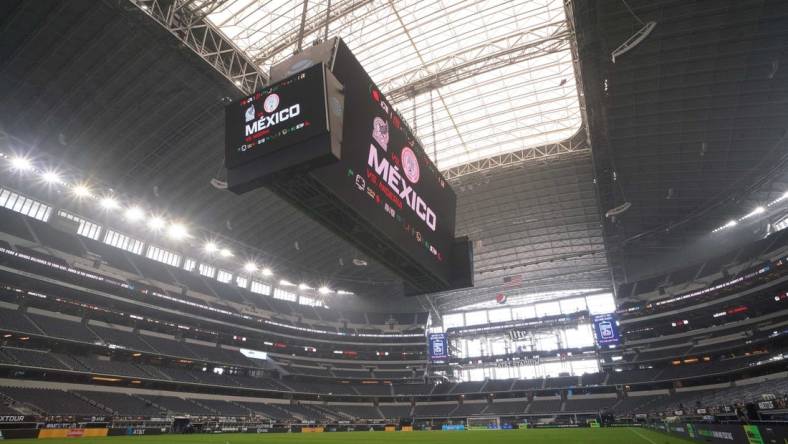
x=534 y=436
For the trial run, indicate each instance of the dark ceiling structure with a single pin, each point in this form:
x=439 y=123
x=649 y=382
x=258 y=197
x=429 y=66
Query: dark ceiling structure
x=689 y=126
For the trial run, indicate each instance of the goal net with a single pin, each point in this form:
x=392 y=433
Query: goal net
x=483 y=423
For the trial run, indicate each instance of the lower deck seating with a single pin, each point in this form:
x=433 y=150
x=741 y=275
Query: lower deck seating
x=267 y=410
x=358 y=411
x=395 y=411
x=122 y=404
x=593 y=405
x=434 y=410
x=545 y=406
x=52 y=402
x=177 y=405
x=506 y=408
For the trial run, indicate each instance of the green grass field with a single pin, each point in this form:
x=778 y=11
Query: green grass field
x=551 y=436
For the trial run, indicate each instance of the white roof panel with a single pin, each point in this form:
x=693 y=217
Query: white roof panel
x=490 y=77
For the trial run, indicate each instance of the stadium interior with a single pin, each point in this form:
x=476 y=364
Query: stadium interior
x=621 y=180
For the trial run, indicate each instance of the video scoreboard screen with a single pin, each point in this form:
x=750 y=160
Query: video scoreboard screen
x=385 y=175
x=325 y=138
x=438 y=346
x=281 y=115
x=606 y=330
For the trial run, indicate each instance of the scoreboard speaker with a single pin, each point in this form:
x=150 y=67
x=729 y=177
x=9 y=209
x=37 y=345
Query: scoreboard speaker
x=307 y=58
x=462 y=263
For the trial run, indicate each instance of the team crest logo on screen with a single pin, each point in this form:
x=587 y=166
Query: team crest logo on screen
x=271 y=103
x=410 y=164
x=380 y=132
x=250 y=113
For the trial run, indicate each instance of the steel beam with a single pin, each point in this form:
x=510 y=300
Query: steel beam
x=186 y=20
x=479 y=59
x=311 y=25
x=574 y=144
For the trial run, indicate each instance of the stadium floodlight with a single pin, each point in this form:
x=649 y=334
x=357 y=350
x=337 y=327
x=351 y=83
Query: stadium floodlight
x=109 y=203
x=224 y=252
x=133 y=214
x=755 y=212
x=250 y=267
x=177 y=231
x=324 y=290
x=286 y=283
x=303 y=286
x=51 y=177
x=19 y=163
x=81 y=190
x=267 y=272
x=156 y=223
x=211 y=247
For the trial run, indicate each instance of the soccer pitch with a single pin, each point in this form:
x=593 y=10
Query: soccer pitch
x=535 y=436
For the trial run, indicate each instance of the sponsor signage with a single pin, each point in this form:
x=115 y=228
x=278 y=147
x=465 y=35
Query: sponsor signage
x=254 y=354
x=606 y=329
x=15 y=418
x=438 y=346
x=519 y=362
x=727 y=433
x=766 y=405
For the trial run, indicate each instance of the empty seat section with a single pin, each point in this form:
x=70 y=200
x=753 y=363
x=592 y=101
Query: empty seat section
x=14 y=224
x=62 y=328
x=266 y=410
x=122 y=404
x=15 y=320
x=507 y=408
x=358 y=411
x=395 y=411
x=177 y=405
x=589 y=405
x=373 y=389
x=434 y=410
x=545 y=406
x=123 y=338
x=169 y=347
x=56 y=239
x=469 y=409
x=225 y=408
x=118 y=368
x=34 y=358
x=527 y=384
x=52 y=402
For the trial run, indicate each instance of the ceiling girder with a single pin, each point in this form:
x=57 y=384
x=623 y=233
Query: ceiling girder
x=492 y=55
x=311 y=25
x=188 y=24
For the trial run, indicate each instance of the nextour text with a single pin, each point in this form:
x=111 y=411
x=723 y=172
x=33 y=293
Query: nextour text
x=273 y=119
x=391 y=175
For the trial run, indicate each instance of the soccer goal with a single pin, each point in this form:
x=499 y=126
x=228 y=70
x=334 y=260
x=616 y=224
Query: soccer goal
x=484 y=422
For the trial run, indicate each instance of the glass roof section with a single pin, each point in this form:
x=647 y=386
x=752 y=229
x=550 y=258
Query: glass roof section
x=473 y=78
